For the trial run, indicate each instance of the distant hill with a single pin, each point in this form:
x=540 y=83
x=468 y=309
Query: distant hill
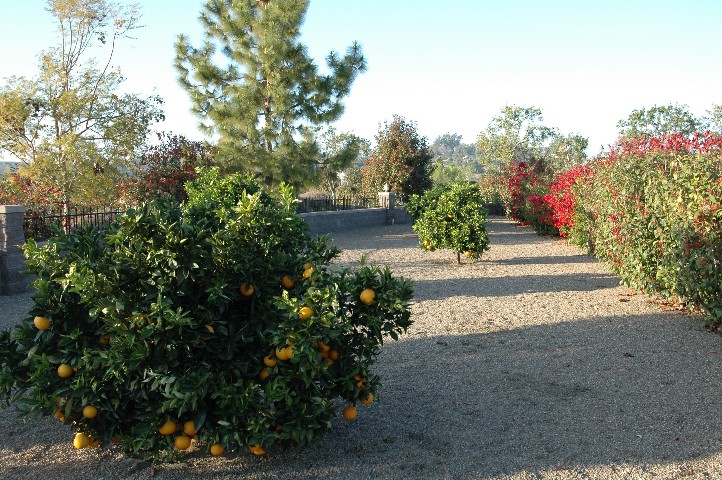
x=8 y=167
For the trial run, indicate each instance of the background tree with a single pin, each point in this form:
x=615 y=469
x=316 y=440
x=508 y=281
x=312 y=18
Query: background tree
x=339 y=151
x=566 y=151
x=657 y=121
x=452 y=173
x=401 y=159
x=164 y=169
x=515 y=135
x=351 y=184
x=265 y=101
x=445 y=145
x=713 y=120
x=69 y=125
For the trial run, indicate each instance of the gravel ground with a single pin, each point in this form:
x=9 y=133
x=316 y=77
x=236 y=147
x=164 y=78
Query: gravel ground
x=531 y=363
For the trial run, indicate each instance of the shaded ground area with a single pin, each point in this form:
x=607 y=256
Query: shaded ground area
x=532 y=363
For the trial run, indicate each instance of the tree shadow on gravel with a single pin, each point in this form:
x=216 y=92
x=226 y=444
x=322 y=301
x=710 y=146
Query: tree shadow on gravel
x=601 y=391
x=512 y=285
x=545 y=260
x=565 y=398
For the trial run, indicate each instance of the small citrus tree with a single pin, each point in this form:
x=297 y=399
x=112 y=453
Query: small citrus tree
x=217 y=322
x=452 y=217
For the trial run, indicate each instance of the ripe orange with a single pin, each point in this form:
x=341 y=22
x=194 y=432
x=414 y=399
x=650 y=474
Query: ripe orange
x=360 y=381
x=368 y=399
x=90 y=411
x=287 y=282
x=182 y=442
x=307 y=265
x=95 y=443
x=256 y=449
x=81 y=440
x=269 y=361
x=305 y=313
x=349 y=413
x=60 y=415
x=247 y=289
x=168 y=428
x=217 y=449
x=368 y=296
x=189 y=428
x=41 y=323
x=324 y=347
x=333 y=355
x=104 y=340
x=264 y=374
x=308 y=272
x=284 y=353
x=65 y=370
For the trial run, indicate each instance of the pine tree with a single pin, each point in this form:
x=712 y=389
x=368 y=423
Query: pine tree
x=266 y=103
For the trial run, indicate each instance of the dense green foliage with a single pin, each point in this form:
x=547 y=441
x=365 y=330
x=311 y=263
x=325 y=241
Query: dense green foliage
x=452 y=217
x=267 y=98
x=169 y=312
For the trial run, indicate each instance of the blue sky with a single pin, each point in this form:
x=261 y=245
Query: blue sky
x=452 y=66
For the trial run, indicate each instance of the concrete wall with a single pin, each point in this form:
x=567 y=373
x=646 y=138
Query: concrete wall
x=320 y=223
x=12 y=260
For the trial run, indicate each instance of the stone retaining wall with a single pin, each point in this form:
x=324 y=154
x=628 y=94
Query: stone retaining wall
x=320 y=223
x=12 y=260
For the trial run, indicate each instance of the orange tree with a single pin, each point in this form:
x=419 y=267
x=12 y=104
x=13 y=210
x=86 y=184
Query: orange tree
x=451 y=217
x=217 y=323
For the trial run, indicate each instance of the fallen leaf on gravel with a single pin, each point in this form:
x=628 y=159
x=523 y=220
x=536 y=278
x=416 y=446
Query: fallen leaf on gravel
x=628 y=355
x=623 y=299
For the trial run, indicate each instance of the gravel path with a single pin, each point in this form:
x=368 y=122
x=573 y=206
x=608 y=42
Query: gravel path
x=532 y=363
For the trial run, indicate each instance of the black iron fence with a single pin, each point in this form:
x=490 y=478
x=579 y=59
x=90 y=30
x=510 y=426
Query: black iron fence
x=38 y=224
x=307 y=205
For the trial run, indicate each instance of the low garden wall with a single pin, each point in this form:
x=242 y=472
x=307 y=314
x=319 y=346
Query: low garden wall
x=12 y=260
x=320 y=223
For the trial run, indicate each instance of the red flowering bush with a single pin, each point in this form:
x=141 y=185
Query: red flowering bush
x=527 y=185
x=654 y=213
x=562 y=199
